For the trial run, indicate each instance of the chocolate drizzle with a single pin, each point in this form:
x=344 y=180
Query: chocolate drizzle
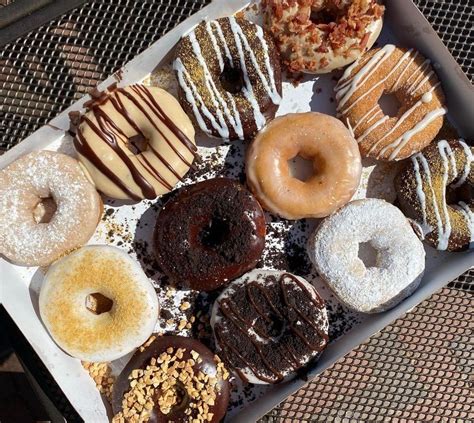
x=108 y=131
x=270 y=324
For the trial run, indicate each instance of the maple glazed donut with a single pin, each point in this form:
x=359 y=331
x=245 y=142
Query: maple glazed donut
x=395 y=257
x=229 y=77
x=436 y=190
x=136 y=142
x=181 y=381
x=269 y=324
x=98 y=304
x=48 y=207
x=318 y=36
x=209 y=233
x=405 y=74
x=316 y=137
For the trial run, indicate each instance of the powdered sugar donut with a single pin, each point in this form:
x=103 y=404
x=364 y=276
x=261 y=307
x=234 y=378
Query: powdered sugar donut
x=268 y=324
x=392 y=273
x=98 y=304
x=27 y=186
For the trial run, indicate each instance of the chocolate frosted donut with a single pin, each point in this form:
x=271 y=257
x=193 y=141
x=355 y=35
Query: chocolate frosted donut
x=268 y=324
x=209 y=233
x=174 y=379
x=436 y=190
x=229 y=77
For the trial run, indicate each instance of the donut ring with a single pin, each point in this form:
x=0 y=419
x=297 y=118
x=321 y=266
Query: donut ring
x=426 y=190
x=309 y=44
x=201 y=380
x=399 y=255
x=24 y=184
x=136 y=142
x=268 y=325
x=229 y=77
x=320 y=138
x=131 y=303
x=209 y=233
x=405 y=74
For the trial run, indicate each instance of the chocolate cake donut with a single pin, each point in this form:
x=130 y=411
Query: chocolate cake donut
x=435 y=188
x=229 y=77
x=209 y=233
x=174 y=379
x=268 y=325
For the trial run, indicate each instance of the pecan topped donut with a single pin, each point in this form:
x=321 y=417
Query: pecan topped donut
x=229 y=77
x=318 y=36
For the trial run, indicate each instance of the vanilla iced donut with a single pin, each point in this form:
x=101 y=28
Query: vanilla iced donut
x=98 y=304
x=392 y=273
x=29 y=187
x=268 y=324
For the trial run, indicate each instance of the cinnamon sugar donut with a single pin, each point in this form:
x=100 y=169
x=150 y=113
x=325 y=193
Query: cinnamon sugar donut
x=27 y=187
x=318 y=36
x=320 y=138
x=435 y=188
x=410 y=77
x=98 y=304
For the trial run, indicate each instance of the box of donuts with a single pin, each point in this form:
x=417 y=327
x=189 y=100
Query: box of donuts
x=238 y=207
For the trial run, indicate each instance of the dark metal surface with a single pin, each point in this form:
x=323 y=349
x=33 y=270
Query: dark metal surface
x=417 y=369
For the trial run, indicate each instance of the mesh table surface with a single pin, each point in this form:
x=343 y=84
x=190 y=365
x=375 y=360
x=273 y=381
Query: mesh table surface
x=416 y=369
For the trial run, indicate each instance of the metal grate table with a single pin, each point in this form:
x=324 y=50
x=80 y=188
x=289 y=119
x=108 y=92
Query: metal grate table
x=417 y=369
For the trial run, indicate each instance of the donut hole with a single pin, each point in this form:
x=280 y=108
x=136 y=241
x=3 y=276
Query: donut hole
x=455 y=194
x=390 y=104
x=98 y=303
x=215 y=232
x=301 y=168
x=137 y=144
x=176 y=393
x=276 y=326
x=324 y=16
x=232 y=79
x=45 y=210
x=368 y=254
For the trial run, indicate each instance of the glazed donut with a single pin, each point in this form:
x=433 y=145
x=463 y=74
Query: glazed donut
x=407 y=75
x=389 y=275
x=318 y=36
x=97 y=303
x=40 y=186
x=209 y=233
x=136 y=142
x=319 y=138
x=229 y=77
x=179 y=379
x=268 y=325
x=435 y=188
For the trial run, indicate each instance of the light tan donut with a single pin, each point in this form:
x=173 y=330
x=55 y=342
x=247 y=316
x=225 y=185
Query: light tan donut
x=309 y=44
x=111 y=326
x=23 y=185
x=320 y=138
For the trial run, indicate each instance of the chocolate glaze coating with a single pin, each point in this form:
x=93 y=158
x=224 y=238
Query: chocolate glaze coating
x=141 y=359
x=229 y=47
x=209 y=233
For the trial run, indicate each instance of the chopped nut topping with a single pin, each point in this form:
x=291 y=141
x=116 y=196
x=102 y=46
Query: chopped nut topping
x=101 y=374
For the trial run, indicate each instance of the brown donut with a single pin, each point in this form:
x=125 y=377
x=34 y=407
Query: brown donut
x=191 y=383
x=209 y=233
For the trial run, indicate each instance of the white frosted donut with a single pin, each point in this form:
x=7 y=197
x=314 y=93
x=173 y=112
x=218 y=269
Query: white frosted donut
x=397 y=266
x=112 y=329
x=24 y=185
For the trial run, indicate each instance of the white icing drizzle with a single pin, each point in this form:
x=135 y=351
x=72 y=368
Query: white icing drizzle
x=427 y=97
x=363 y=118
x=443 y=237
x=411 y=89
x=370 y=128
x=425 y=227
x=223 y=42
x=469 y=216
x=215 y=44
x=467 y=165
x=395 y=85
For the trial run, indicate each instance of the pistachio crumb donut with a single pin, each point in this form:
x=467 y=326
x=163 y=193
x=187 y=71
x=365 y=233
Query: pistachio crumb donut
x=411 y=78
x=98 y=304
x=48 y=207
x=316 y=137
x=394 y=258
x=435 y=188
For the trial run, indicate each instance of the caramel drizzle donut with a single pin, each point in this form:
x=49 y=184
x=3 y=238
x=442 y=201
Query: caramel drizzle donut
x=309 y=43
x=203 y=58
x=132 y=147
x=424 y=194
x=411 y=78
